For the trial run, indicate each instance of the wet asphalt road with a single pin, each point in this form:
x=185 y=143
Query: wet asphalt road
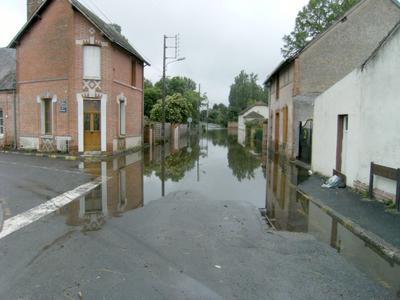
x=28 y=181
x=181 y=247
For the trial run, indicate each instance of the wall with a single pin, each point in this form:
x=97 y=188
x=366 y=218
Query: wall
x=342 y=98
x=7 y=104
x=345 y=46
x=43 y=69
x=370 y=97
x=278 y=106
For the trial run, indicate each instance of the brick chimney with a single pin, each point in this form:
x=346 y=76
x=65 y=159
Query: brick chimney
x=32 y=6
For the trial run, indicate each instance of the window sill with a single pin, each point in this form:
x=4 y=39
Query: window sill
x=46 y=136
x=92 y=78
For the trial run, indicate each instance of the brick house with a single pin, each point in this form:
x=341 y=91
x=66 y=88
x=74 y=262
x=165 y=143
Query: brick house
x=7 y=96
x=298 y=80
x=79 y=82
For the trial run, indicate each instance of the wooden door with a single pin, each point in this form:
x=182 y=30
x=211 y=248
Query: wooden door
x=92 y=127
x=277 y=132
x=341 y=144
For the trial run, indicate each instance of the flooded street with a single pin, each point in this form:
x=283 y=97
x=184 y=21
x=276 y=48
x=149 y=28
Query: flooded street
x=116 y=236
x=215 y=165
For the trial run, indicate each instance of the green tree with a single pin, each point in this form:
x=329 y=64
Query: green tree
x=313 y=19
x=177 y=110
x=244 y=92
x=151 y=95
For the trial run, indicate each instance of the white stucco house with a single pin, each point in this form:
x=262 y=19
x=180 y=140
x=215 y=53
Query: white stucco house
x=256 y=112
x=357 y=121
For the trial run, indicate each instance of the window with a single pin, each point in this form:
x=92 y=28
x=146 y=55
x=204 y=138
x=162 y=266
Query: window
x=122 y=117
x=133 y=75
x=91 y=62
x=47 y=116
x=1 y=122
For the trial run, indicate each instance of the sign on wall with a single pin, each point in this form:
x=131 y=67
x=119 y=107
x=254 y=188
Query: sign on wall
x=63 y=106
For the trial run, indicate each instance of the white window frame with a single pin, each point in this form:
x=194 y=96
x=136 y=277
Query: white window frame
x=122 y=116
x=1 y=122
x=92 y=62
x=43 y=117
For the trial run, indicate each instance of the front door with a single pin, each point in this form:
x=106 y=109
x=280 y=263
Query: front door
x=277 y=132
x=341 y=147
x=92 y=132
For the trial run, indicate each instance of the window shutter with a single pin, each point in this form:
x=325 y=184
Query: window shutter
x=91 y=62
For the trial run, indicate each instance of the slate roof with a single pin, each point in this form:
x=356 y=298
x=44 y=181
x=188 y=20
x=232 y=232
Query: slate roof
x=108 y=30
x=254 y=115
x=7 y=69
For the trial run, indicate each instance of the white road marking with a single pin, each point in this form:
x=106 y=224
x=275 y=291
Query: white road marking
x=22 y=220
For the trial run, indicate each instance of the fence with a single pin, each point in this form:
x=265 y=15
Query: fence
x=153 y=135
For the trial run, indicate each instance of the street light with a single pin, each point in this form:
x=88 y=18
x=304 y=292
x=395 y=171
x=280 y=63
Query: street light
x=164 y=95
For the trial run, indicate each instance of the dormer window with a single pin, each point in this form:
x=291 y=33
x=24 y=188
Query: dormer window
x=92 y=62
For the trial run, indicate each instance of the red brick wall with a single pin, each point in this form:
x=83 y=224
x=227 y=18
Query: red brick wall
x=6 y=105
x=50 y=59
x=43 y=65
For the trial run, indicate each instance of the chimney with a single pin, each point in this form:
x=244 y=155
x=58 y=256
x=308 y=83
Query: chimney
x=116 y=27
x=32 y=6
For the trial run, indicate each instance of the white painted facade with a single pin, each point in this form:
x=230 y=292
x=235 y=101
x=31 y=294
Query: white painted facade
x=370 y=96
x=260 y=109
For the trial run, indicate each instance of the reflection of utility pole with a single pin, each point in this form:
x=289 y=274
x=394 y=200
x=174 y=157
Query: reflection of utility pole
x=163 y=170
x=198 y=110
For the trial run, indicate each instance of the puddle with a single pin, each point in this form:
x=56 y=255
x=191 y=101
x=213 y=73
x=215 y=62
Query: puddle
x=288 y=210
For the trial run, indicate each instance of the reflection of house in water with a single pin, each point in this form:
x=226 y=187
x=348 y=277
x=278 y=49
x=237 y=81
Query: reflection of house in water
x=289 y=210
x=121 y=191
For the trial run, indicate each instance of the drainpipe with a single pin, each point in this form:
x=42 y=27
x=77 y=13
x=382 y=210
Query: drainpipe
x=15 y=116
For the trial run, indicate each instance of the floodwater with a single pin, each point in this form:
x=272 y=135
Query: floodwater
x=218 y=166
x=214 y=164
x=289 y=210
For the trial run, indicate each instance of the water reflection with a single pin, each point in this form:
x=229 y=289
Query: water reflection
x=289 y=210
x=121 y=191
x=213 y=163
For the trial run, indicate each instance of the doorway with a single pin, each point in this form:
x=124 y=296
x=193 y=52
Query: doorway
x=277 y=131
x=341 y=150
x=92 y=127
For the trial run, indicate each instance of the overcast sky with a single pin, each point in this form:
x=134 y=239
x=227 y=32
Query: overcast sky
x=218 y=37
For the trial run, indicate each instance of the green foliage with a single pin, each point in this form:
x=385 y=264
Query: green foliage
x=242 y=163
x=313 y=19
x=184 y=86
x=151 y=95
x=218 y=114
x=177 y=110
x=245 y=92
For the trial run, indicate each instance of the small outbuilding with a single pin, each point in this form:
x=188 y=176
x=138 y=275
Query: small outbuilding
x=256 y=113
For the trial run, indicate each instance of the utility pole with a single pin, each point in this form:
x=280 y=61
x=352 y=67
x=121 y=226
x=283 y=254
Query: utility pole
x=175 y=58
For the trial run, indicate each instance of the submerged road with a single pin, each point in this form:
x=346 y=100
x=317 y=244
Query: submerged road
x=183 y=246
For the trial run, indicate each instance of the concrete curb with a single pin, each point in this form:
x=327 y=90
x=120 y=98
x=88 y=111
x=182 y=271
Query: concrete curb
x=90 y=158
x=381 y=246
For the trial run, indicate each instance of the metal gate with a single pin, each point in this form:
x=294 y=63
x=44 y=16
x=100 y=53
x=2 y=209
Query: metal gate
x=305 y=141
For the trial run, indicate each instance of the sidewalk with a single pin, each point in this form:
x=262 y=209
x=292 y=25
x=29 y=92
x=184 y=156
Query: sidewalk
x=364 y=217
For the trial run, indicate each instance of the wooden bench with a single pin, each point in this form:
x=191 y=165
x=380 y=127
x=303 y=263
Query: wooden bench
x=386 y=172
